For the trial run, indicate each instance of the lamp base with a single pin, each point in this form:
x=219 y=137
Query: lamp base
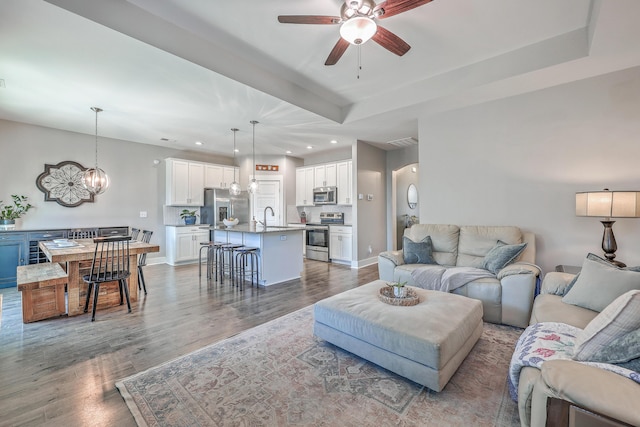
x=609 y=245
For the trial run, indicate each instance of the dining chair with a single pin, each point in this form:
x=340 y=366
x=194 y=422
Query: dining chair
x=142 y=260
x=134 y=233
x=83 y=233
x=110 y=263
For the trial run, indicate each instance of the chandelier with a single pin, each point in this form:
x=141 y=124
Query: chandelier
x=95 y=180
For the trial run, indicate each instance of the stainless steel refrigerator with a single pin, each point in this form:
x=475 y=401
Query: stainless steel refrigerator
x=219 y=205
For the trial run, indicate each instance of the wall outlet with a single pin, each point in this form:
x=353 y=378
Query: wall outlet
x=369 y=197
x=143 y=214
x=360 y=196
x=283 y=237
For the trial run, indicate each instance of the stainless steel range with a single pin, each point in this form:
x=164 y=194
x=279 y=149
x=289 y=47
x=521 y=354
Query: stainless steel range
x=318 y=235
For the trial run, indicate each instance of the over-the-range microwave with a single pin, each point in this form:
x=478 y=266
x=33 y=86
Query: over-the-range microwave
x=325 y=196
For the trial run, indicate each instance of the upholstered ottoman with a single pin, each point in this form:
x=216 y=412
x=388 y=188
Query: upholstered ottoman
x=424 y=343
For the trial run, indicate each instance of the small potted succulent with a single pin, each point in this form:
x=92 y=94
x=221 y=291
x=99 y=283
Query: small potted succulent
x=399 y=289
x=188 y=216
x=9 y=213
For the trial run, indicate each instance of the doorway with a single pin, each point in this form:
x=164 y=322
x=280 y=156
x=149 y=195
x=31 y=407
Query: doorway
x=268 y=194
x=405 y=211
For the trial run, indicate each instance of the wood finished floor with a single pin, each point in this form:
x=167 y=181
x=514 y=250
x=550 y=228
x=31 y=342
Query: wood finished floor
x=61 y=372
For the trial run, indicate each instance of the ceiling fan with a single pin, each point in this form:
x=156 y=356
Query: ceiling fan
x=358 y=24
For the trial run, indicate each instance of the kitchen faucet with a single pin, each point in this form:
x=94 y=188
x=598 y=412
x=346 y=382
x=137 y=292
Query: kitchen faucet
x=264 y=223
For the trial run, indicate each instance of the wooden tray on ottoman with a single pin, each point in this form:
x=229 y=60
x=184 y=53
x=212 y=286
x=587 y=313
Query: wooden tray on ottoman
x=387 y=296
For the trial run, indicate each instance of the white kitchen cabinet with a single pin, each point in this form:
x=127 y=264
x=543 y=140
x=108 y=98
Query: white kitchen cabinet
x=218 y=176
x=344 y=171
x=183 y=243
x=304 y=186
x=324 y=175
x=185 y=183
x=340 y=243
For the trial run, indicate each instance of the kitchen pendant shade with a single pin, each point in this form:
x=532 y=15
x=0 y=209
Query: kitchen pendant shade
x=95 y=180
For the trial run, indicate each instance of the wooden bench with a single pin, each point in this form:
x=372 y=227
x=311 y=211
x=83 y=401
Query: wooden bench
x=42 y=288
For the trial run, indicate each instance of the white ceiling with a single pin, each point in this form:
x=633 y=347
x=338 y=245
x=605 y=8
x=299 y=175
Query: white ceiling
x=189 y=70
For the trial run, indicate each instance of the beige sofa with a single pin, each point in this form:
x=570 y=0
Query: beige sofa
x=589 y=387
x=506 y=298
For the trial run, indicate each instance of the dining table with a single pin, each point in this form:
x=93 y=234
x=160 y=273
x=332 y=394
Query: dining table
x=76 y=256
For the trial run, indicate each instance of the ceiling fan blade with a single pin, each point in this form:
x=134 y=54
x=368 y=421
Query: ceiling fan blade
x=394 y=7
x=390 y=41
x=309 y=19
x=337 y=51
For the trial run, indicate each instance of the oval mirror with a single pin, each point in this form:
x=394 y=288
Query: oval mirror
x=412 y=196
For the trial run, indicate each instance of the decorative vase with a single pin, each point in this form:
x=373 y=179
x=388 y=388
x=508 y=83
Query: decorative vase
x=189 y=220
x=399 y=292
x=7 y=224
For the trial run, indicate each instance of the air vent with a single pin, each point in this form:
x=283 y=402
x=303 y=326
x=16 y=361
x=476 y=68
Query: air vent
x=403 y=142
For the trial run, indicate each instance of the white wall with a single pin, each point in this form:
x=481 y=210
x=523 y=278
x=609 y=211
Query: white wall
x=136 y=183
x=371 y=224
x=520 y=161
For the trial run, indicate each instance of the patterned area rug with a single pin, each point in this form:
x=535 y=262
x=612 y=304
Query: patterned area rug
x=279 y=374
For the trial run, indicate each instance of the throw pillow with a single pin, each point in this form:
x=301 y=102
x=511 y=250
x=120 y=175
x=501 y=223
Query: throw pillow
x=599 y=284
x=613 y=336
x=417 y=252
x=595 y=257
x=501 y=255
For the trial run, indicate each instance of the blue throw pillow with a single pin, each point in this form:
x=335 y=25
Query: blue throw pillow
x=501 y=255
x=417 y=252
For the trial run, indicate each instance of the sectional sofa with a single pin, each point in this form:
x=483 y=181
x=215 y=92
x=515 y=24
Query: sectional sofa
x=506 y=293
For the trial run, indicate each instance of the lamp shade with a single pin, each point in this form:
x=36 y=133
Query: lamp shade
x=358 y=29
x=608 y=204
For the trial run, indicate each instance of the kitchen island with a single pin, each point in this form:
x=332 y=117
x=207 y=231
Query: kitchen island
x=280 y=249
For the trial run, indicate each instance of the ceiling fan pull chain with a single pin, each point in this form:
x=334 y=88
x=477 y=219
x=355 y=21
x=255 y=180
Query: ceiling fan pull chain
x=359 y=60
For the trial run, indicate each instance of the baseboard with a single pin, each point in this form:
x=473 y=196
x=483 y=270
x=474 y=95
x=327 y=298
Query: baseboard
x=157 y=260
x=364 y=262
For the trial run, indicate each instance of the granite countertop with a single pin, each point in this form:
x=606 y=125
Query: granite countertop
x=244 y=228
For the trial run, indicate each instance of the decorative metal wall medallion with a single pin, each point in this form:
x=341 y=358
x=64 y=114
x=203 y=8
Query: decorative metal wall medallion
x=62 y=183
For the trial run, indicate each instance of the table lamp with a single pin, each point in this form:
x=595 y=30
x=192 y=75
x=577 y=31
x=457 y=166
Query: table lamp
x=609 y=204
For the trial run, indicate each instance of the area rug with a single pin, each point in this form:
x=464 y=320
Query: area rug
x=279 y=374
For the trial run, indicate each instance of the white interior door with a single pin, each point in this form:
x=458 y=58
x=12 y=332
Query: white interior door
x=268 y=194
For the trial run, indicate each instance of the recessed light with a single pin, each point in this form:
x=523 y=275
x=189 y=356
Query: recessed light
x=288 y=152
x=198 y=143
x=309 y=147
x=333 y=141
x=236 y=150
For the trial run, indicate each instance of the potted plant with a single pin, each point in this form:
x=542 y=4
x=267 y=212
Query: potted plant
x=399 y=289
x=188 y=216
x=9 y=213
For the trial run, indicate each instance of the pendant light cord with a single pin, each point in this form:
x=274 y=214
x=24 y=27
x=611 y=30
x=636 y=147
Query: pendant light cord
x=254 y=123
x=234 y=153
x=97 y=110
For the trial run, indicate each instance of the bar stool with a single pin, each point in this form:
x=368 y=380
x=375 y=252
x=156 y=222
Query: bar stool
x=225 y=257
x=208 y=246
x=244 y=256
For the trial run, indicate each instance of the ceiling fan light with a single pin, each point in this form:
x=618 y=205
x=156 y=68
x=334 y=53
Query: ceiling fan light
x=358 y=30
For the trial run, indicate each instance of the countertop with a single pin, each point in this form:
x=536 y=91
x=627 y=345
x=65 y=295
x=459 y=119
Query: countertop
x=244 y=228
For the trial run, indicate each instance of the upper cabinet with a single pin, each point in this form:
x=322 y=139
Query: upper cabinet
x=218 y=176
x=344 y=171
x=185 y=183
x=304 y=186
x=325 y=175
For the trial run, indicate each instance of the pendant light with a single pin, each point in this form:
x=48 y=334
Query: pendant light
x=95 y=180
x=253 y=184
x=234 y=188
